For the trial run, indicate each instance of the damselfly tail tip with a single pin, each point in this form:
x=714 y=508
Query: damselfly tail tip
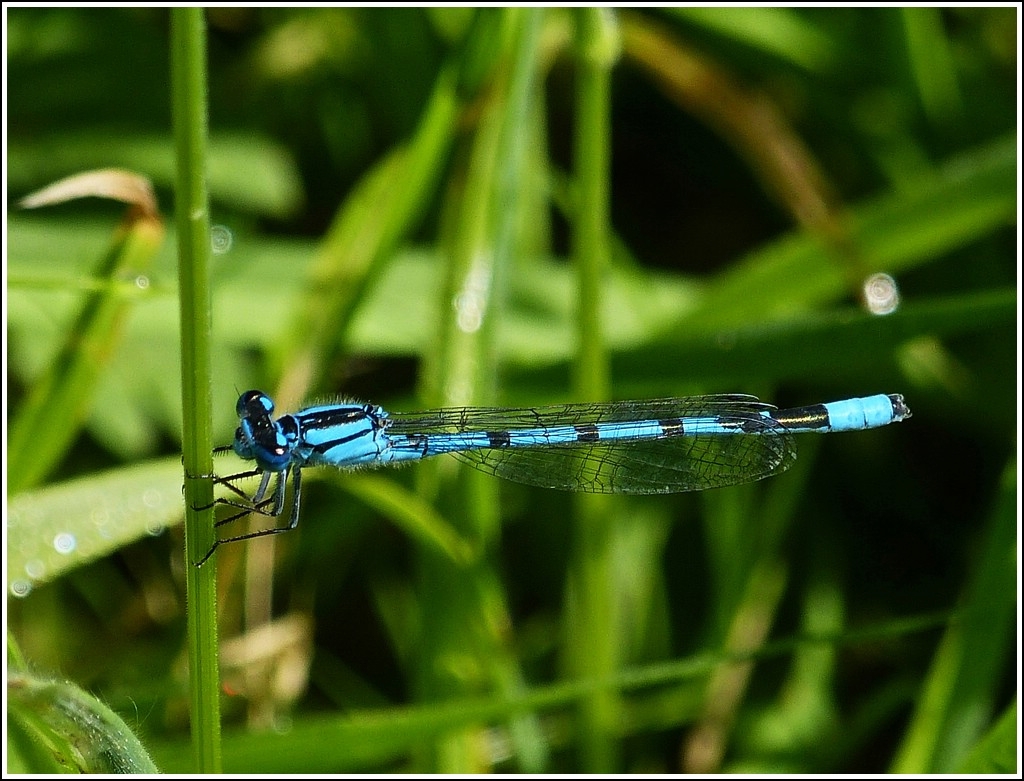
x=900 y=410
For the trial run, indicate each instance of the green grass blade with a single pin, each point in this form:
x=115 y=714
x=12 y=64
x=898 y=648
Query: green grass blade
x=778 y=32
x=967 y=197
x=247 y=172
x=593 y=610
x=47 y=423
x=374 y=738
x=998 y=751
x=961 y=687
x=188 y=84
x=464 y=607
x=409 y=511
x=381 y=211
x=791 y=348
x=55 y=727
x=54 y=529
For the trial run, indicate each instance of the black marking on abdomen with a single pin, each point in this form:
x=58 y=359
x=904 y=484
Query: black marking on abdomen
x=498 y=439
x=671 y=428
x=588 y=433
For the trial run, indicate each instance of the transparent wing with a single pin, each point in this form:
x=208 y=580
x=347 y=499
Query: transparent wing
x=667 y=464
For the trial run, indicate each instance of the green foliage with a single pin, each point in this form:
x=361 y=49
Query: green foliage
x=55 y=727
x=997 y=751
x=404 y=202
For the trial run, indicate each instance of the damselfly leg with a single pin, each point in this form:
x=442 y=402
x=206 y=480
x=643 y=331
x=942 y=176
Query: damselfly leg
x=258 y=503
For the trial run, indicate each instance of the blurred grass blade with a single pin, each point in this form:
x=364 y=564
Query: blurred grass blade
x=961 y=687
x=55 y=727
x=463 y=609
x=51 y=416
x=248 y=171
x=779 y=32
x=113 y=183
x=969 y=196
x=748 y=119
x=594 y=611
x=997 y=751
x=381 y=210
x=412 y=513
x=791 y=347
x=52 y=530
x=932 y=64
x=372 y=738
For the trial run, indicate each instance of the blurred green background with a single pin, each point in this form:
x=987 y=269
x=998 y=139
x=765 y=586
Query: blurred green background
x=405 y=202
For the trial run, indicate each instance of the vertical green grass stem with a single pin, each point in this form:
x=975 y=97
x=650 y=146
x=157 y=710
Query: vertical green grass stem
x=188 y=84
x=592 y=650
